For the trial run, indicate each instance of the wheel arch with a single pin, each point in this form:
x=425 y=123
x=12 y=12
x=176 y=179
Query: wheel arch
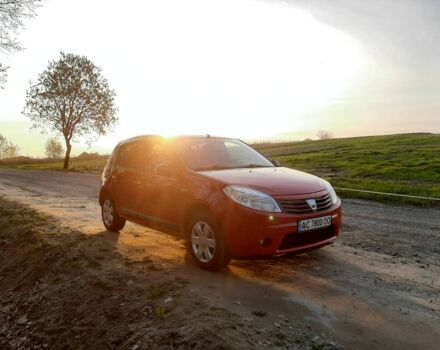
x=192 y=210
x=102 y=194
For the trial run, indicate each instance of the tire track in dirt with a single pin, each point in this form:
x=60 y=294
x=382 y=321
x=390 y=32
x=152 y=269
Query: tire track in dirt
x=377 y=287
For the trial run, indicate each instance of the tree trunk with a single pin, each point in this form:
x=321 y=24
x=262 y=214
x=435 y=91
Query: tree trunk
x=67 y=156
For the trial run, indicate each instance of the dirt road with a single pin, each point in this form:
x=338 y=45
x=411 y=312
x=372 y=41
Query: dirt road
x=377 y=287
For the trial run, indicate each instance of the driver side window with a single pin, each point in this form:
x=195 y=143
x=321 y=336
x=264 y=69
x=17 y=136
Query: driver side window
x=162 y=161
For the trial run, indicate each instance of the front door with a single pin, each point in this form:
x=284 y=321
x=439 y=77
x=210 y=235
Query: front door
x=161 y=187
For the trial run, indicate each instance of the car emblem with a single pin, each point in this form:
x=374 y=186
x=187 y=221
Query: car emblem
x=312 y=204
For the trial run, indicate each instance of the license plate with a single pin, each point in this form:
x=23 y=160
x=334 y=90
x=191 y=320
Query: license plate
x=313 y=224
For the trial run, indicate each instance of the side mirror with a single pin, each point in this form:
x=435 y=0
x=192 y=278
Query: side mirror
x=165 y=169
x=275 y=162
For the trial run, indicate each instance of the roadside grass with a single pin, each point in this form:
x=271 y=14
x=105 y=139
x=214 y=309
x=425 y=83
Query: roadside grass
x=93 y=166
x=404 y=164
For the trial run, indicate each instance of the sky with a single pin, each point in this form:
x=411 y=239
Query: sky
x=252 y=69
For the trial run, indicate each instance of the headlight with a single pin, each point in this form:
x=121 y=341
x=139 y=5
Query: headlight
x=252 y=199
x=330 y=190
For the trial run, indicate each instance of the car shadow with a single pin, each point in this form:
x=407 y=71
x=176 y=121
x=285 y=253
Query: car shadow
x=110 y=237
x=330 y=289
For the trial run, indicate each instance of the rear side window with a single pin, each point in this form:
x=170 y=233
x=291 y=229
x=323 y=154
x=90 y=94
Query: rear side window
x=108 y=165
x=132 y=157
x=144 y=156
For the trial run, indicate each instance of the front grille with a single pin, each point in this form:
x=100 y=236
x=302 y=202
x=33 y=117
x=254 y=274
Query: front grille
x=300 y=206
x=293 y=240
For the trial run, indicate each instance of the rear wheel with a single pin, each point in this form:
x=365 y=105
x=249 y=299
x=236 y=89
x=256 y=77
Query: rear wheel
x=206 y=242
x=110 y=217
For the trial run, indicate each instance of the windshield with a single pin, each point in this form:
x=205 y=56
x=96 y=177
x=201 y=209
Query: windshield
x=215 y=154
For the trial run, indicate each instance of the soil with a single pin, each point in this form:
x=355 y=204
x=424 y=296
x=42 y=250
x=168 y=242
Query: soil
x=377 y=287
x=63 y=289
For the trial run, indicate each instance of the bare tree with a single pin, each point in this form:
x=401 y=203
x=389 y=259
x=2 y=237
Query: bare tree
x=3 y=75
x=54 y=149
x=3 y=145
x=11 y=150
x=8 y=149
x=72 y=98
x=12 y=13
x=324 y=135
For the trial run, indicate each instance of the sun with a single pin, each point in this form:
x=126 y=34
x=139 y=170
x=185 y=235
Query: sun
x=236 y=68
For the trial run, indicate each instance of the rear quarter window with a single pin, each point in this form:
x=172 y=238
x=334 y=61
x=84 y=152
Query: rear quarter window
x=131 y=157
x=137 y=156
x=109 y=164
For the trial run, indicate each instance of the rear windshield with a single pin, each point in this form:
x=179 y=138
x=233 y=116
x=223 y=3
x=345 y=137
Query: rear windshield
x=215 y=154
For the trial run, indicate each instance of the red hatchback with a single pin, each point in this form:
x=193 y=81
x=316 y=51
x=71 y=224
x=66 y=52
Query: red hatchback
x=226 y=199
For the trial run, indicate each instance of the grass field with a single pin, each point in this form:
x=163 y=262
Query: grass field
x=93 y=166
x=405 y=164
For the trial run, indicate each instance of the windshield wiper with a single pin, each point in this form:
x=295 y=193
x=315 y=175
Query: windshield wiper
x=253 y=166
x=224 y=167
x=215 y=167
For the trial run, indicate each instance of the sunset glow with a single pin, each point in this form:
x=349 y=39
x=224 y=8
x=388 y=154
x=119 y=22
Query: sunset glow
x=242 y=68
x=206 y=174
x=252 y=69
x=220 y=74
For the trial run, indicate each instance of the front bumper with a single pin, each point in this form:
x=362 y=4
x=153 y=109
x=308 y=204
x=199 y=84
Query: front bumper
x=250 y=233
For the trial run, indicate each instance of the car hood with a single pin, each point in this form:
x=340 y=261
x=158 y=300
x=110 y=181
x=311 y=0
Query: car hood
x=277 y=181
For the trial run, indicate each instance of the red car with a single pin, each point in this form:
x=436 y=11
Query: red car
x=226 y=199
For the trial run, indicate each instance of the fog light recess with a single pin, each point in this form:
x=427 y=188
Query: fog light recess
x=265 y=242
x=272 y=219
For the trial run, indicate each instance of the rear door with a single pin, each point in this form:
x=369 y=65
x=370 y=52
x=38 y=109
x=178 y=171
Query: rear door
x=128 y=177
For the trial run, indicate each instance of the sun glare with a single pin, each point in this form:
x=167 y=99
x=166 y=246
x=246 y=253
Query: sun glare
x=239 y=68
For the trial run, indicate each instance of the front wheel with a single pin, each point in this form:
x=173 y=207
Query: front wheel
x=206 y=243
x=110 y=217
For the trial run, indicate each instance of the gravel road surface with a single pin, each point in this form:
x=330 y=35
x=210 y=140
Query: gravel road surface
x=377 y=287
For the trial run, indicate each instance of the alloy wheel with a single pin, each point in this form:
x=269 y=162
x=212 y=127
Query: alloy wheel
x=107 y=212
x=203 y=241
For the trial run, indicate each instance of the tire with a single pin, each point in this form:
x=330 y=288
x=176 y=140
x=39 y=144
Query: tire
x=110 y=217
x=206 y=242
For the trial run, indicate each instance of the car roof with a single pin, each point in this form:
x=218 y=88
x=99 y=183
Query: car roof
x=178 y=137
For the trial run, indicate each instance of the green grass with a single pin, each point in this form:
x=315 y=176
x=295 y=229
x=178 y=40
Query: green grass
x=93 y=166
x=404 y=164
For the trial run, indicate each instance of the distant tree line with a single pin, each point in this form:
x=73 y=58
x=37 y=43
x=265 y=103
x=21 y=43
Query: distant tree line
x=324 y=135
x=54 y=148
x=8 y=149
